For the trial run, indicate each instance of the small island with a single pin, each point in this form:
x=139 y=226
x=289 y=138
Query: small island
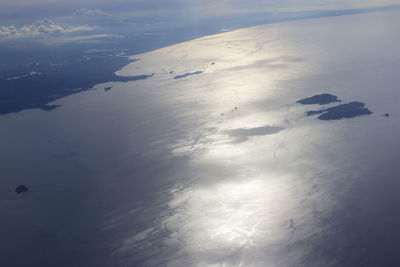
x=321 y=99
x=21 y=189
x=349 y=110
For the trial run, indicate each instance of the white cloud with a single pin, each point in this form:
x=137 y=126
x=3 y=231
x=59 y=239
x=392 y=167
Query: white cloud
x=91 y=12
x=82 y=38
x=38 y=28
x=32 y=73
x=44 y=26
x=8 y=31
x=94 y=36
x=80 y=28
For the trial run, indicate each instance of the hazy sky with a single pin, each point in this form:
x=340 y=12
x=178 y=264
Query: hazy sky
x=60 y=6
x=25 y=17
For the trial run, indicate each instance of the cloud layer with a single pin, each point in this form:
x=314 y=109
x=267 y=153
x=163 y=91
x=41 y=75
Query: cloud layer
x=37 y=28
x=40 y=27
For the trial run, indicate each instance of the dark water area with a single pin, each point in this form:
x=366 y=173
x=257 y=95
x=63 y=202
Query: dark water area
x=20 y=90
x=322 y=99
x=364 y=231
x=349 y=110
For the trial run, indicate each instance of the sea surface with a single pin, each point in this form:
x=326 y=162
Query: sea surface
x=202 y=153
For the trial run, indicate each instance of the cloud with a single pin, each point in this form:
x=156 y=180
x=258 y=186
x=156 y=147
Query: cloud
x=91 y=12
x=32 y=73
x=102 y=15
x=80 y=28
x=46 y=26
x=82 y=38
x=38 y=28
x=94 y=36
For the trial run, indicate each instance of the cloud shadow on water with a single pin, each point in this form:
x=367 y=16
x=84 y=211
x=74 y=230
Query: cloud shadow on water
x=243 y=134
x=187 y=74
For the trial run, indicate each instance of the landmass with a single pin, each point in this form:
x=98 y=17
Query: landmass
x=60 y=80
x=321 y=99
x=349 y=110
x=21 y=189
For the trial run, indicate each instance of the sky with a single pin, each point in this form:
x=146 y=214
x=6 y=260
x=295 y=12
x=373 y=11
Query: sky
x=78 y=20
x=10 y=9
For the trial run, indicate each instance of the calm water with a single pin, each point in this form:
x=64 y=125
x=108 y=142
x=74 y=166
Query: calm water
x=221 y=168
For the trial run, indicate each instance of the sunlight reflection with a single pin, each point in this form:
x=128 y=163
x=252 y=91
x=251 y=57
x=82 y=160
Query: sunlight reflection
x=239 y=202
x=232 y=216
